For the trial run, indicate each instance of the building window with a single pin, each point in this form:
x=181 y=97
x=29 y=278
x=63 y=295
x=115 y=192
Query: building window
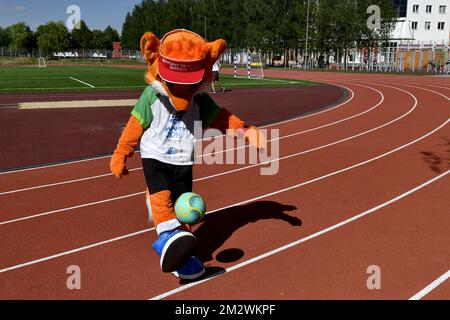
x=441 y=25
x=416 y=8
x=442 y=9
x=429 y=8
x=414 y=25
x=401 y=7
x=427 y=25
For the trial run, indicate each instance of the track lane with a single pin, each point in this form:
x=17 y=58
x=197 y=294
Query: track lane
x=54 y=173
x=334 y=265
x=255 y=236
x=224 y=180
x=41 y=200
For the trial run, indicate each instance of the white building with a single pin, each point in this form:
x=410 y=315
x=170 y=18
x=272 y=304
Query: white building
x=426 y=21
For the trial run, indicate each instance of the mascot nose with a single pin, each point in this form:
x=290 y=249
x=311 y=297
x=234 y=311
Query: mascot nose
x=181 y=95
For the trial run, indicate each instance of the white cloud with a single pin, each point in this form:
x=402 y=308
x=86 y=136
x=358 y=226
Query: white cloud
x=6 y=7
x=18 y=8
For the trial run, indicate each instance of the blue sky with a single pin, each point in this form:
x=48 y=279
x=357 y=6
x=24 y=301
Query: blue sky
x=98 y=14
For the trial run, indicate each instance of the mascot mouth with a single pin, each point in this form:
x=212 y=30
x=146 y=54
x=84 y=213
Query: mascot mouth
x=182 y=94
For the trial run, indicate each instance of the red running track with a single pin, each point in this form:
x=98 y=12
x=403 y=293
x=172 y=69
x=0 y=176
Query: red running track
x=359 y=185
x=36 y=137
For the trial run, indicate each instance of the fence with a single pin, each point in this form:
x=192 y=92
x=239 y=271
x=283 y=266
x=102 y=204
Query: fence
x=83 y=54
x=411 y=57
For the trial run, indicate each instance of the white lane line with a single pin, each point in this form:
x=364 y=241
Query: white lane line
x=268 y=126
x=300 y=241
x=71 y=208
x=243 y=202
x=406 y=85
x=209 y=154
x=41 y=89
x=422 y=293
x=225 y=172
x=82 y=82
x=53 y=165
x=74 y=251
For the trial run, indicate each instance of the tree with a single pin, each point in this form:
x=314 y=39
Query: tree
x=52 y=37
x=81 y=38
x=110 y=35
x=21 y=36
x=98 y=40
x=5 y=38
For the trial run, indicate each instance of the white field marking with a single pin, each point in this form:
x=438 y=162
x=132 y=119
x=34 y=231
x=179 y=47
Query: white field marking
x=268 y=126
x=209 y=154
x=222 y=173
x=237 y=204
x=85 y=83
x=422 y=293
x=302 y=240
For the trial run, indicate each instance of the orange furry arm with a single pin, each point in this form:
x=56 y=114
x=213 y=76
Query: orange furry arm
x=130 y=138
x=227 y=121
x=233 y=126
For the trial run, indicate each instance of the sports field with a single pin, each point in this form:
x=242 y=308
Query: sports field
x=76 y=78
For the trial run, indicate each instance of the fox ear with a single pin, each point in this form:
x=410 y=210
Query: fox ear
x=150 y=46
x=216 y=49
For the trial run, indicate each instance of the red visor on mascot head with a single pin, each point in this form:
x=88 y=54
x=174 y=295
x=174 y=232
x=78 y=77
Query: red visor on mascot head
x=182 y=62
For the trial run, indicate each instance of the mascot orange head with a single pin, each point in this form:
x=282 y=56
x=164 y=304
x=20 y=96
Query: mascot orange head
x=181 y=62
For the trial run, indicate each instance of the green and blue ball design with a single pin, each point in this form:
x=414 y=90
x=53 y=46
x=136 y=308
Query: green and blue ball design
x=190 y=208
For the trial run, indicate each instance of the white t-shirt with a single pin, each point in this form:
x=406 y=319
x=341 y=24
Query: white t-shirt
x=216 y=66
x=169 y=136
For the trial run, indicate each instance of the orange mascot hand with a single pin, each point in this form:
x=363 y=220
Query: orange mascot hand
x=130 y=138
x=254 y=136
x=118 y=165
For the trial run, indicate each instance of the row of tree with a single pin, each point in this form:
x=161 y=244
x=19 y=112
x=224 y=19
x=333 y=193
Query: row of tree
x=54 y=36
x=266 y=25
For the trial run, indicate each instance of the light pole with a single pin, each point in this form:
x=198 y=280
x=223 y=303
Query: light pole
x=307 y=35
x=204 y=17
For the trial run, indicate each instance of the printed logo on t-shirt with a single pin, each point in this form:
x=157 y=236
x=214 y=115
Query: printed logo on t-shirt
x=176 y=129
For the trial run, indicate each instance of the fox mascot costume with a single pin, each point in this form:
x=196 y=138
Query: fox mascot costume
x=179 y=70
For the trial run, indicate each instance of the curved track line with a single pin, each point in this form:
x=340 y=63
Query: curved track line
x=302 y=240
x=267 y=126
x=236 y=204
x=209 y=154
x=225 y=172
x=416 y=87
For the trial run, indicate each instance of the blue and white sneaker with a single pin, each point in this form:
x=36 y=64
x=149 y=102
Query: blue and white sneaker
x=192 y=269
x=174 y=247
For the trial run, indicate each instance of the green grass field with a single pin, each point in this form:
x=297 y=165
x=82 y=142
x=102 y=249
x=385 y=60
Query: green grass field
x=81 y=78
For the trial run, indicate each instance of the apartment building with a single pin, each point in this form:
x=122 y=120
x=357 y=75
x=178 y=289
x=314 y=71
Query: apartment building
x=425 y=21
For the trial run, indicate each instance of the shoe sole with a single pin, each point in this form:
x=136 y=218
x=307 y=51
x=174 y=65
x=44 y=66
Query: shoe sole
x=189 y=277
x=177 y=250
